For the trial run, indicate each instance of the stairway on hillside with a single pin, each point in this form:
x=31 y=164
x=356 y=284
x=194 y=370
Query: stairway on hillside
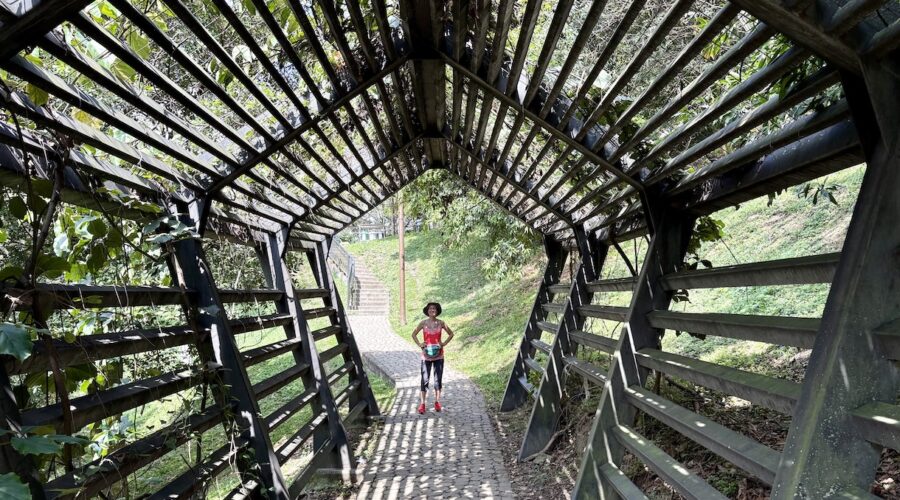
x=374 y=298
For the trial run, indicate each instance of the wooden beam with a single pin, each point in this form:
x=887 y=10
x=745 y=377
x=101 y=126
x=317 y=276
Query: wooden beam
x=515 y=395
x=293 y=134
x=277 y=273
x=28 y=21
x=208 y=313
x=345 y=335
x=547 y=408
x=666 y=251
x=544 y=124
x=835 y=148
x=823 y=455
x=802 y=27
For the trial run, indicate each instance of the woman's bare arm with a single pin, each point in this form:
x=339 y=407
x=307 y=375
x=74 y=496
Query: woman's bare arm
x=449 y=333
x=415 y=334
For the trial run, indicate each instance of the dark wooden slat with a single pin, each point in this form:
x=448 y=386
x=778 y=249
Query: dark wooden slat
x=326 y=332
x=611 y=313
x=185 y=485
x=266 y=352
x=780 y=330
x=750 y=455
x=533 y=365
x=793 y=271
x=587 y=370
x=118 y=465
x=548 y=327
x=598 y=342
x=828 y=151
x=333 y=352
x=540 y=345
x=879 y=423
x=526 y=385
x=620 y=482
x=99 y=296
x=289 y=409
x=279 y=380
x=560 y=288
x=613 y=285
x=554 y=308
x=341 y=397
x=672 y=472
x=889 y=336
x=111 y=402
x=318 y=312
x=803 y=30
x=256 y=323
x=339 y=372
x=299 y=438
x=33 y=20
x=774 y=393
x=103 y=346
x=244 y=296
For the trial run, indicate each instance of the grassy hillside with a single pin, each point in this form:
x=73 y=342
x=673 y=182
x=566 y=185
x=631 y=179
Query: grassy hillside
x=490 y=316
x=487 y=317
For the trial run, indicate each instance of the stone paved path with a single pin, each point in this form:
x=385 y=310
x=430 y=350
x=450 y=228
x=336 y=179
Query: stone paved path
x=452 y=454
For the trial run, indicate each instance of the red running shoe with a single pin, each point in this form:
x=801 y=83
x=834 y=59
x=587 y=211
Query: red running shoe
x=437 y=406
x=422 y=409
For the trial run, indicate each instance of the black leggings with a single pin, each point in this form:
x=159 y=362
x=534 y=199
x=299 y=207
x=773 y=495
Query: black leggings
x=438 y=365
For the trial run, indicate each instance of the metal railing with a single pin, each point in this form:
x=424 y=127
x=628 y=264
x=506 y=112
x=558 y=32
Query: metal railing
x=345 y=265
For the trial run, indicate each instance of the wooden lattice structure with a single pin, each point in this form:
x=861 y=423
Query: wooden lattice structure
x=352 y=101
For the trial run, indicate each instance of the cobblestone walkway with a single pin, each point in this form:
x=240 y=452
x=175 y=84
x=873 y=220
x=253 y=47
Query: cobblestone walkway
x=452 y=454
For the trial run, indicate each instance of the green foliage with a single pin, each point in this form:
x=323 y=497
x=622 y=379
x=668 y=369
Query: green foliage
x=15 y=340
x=44 y=445
x=464 y=216
x=706 y=230
x=814 y=191
x=13 y=488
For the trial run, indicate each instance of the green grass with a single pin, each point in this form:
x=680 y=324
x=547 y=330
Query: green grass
x=487 y=317
x=791 y=227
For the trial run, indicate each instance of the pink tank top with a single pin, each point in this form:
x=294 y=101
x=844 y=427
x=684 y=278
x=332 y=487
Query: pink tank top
x=433 y=336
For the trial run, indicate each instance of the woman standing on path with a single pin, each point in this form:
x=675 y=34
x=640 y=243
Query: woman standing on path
x=432 y=352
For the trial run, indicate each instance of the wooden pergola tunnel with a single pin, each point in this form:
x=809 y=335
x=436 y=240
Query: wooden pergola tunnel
x=274 y=125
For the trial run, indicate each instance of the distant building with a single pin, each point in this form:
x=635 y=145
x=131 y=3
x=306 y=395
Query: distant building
x=375 y=226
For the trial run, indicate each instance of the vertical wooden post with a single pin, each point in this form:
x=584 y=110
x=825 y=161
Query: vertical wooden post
x=547 y=406
x=401 y=236
x=345 y=334
x=666 y=251
x=515 y=395
x=218 y=346
x=333 y=436
x=823 y=455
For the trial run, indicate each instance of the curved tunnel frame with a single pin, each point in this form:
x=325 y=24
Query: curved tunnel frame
x=855 y=339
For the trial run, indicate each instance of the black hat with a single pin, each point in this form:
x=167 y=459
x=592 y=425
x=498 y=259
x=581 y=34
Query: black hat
x=435 y=304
